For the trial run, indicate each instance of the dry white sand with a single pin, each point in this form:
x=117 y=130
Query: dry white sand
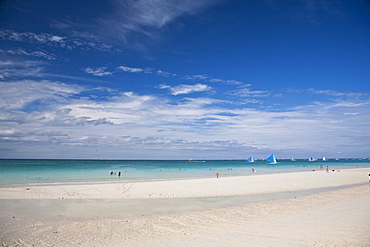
x=290 y=209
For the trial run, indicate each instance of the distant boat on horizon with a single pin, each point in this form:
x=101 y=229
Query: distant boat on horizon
x=271 y=159
x=311 y=159
x=293 y=159
x=324 y=158
x=250 y=159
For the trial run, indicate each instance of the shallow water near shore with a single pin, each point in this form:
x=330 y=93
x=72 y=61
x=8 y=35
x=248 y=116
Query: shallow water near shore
x=32 y=172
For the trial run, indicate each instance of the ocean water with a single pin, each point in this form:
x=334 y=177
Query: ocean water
x=38 y=172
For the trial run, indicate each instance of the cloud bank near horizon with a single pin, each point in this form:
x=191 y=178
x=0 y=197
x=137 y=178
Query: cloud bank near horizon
x=130 y=120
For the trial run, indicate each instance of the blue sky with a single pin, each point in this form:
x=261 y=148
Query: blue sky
x=190 y=79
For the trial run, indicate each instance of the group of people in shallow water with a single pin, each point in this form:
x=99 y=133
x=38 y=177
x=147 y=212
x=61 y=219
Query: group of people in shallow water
x=113 y=173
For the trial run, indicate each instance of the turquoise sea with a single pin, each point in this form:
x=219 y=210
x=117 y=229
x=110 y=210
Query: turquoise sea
x=32 y=172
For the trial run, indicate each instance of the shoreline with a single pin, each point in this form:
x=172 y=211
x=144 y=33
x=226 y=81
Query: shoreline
x=198 y=187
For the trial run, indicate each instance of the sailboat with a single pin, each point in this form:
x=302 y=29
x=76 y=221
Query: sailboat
x=293 y=159
x=324 y=159
x=272 y=159
x=250 y=159
x=311 y=159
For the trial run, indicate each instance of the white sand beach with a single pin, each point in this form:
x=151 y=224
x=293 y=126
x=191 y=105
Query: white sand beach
x=288 y=209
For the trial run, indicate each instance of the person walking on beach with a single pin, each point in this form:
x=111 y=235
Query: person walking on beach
x=119 y=173
x=217 y=175
x=327 y=169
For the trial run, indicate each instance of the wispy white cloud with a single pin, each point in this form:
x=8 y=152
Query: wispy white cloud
x=145 y=16
x=186 y=89
x=21 y=68
x=158 y=72
x=332 y=94
x=335 y=93
x=211 y=79
x=40 y=103
x=56 y=38
x=131 y=21
x=12 y=69
x=48 y=39
x=134 y=70
x=195 y=77
x=233 y=82
x=30 y=37
x=156 y=13
x=164 y=73
x=101 y=71
x=245 y=91
x=20 y=51
x=18 y=94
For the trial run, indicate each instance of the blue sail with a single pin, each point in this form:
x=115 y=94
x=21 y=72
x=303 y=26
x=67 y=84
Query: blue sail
x=250 y=159
x=271 y=159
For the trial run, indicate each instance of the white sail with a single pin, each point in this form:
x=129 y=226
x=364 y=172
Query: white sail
x=250 y=159
x=324 y=158
x=271 y=159
x=311 y=159
x=293 y=159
